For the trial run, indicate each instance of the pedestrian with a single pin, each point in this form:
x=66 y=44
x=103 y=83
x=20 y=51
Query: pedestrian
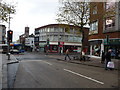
x=103 y=57
x=108 y=58
x=83 y=55
x=67 y=54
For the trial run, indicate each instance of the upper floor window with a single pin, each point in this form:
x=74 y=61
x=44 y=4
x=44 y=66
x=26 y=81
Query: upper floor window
x=109 y=22
x=94 y=26
x=95 y=10
x=110 y=4
x=36 y=31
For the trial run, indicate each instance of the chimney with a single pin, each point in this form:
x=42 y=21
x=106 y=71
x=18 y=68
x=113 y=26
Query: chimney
x=27 y=31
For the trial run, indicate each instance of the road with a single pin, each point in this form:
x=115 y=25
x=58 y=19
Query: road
x=41 y=71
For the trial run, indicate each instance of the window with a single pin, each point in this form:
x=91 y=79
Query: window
x=110 y=19
x=110 y=5
x=36 y=39
x=36 y=31
x=95 y=10
x=94 y=26
x=109 y=22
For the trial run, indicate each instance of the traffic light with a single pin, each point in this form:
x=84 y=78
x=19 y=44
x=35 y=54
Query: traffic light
x=9 y=35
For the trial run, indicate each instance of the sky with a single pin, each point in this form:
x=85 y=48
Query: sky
x=32 y=13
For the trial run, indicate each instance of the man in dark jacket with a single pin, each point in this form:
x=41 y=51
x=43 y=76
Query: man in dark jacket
x=108 y=58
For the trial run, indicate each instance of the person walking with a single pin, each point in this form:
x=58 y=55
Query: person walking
x=103 y=57
x=108 y=58
x=67 y=54
x=83 y=55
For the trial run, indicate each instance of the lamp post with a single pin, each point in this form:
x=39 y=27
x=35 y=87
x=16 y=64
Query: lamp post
x=47 y=48
x=8 y=38
x=107 y=41
x=59 y=43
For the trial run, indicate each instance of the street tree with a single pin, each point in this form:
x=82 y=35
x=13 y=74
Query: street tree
x=74 y=13
x=6 y=10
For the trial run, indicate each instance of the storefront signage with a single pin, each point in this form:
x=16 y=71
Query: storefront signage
x=61 y=44
x=112 y=42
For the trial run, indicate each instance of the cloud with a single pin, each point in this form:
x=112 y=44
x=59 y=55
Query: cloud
x=33 y=13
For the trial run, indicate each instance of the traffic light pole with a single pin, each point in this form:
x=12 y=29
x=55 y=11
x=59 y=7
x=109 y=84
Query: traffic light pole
x=8 y=50
x=8 y=38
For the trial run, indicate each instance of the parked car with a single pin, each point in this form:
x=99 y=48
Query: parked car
x=13 y=51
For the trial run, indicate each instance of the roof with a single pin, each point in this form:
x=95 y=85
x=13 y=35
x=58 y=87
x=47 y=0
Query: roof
x=60 y=25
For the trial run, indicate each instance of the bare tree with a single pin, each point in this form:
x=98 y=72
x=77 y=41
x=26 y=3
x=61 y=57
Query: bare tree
x=75 y=13
x=6 y=10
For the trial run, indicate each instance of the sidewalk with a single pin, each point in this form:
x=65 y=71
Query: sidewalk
x=93 y=61
x=0 y=71
x=3 y=69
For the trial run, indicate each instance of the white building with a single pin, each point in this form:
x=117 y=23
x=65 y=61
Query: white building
x=29 y=43
x=57 y=37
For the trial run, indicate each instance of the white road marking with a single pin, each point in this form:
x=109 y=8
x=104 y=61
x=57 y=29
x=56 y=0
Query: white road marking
x=89 y=78
x=46 y=62
x=38 y=61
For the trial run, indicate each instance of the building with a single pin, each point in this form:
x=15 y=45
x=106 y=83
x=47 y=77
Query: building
x=2 y=34
x=104 y=30
x=23 y=36
x=58 y=37
x=29 y=43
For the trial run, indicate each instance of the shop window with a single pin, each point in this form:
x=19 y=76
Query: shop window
x=96 y=50
x=54 y=48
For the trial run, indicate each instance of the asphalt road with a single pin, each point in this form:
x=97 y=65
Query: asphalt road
x=41 y=71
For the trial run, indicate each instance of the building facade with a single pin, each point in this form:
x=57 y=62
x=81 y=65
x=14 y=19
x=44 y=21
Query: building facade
x=29 y=43
x=57 y=38
x=104 y=30
x=2 y=34
x=23 y=36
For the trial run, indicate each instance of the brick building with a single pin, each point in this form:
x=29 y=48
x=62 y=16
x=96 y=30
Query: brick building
x=104 y=31
x=23 y=36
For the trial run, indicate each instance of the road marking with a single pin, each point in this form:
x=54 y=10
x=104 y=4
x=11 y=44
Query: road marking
x=89 y=78
x=46 y=62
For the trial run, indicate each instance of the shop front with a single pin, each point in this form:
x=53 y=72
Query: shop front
x=55 y=47
x=114 y=45
x=96 y=47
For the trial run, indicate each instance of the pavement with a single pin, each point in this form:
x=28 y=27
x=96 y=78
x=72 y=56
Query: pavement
x=93 y=61
x=4 y=70
x=0 y=71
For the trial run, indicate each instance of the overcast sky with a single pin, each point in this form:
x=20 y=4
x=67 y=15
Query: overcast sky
x=32 y=13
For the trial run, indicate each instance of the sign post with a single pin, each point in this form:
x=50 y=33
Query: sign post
x=107 y=40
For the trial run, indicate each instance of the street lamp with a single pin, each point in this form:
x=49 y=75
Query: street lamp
x=107 y=41
x=9 y=37
x=47 y=48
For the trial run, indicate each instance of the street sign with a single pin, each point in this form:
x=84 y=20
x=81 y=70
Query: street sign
x=61 y=43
